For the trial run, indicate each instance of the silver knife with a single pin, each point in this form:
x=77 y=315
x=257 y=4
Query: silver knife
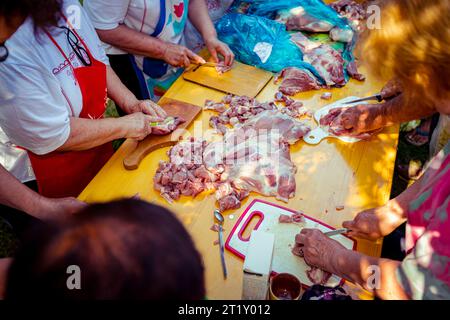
x=376 y=97
x=335 y=232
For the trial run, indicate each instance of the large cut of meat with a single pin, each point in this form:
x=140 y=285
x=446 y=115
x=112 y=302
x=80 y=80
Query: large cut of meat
x=328 y=63
x=167 y=126
x=298 y=19
x=297 y=80
x=253 y=156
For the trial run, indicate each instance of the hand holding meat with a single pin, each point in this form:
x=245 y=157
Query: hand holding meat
x=355 y=121
x=318 y=250
x=138 y=125
x=151 y=108
x=216 y=48
x=180 y=56
x=373 y=224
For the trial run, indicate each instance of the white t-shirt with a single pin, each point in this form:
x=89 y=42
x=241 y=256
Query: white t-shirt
x=38 y=92
x=139 y=15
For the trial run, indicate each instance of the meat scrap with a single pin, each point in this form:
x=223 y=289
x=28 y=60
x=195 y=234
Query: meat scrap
x=222 y=68
x=351 y=10
x=318 y=276
x=294 y=218
x=167 y=126
x=295 y=80
x=326 y=96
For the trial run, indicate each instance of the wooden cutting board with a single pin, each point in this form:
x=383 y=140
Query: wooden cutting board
x=283 y=260
x=241 y=80
x=173 y=108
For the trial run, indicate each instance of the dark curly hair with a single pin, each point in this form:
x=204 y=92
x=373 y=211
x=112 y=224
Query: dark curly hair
x=126 y=249
x=45 y=13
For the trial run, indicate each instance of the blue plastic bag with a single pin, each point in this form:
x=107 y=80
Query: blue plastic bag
x=315 y=8
x=261 y=42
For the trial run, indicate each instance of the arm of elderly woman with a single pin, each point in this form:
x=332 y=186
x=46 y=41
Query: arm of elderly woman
x=199 y=16
x=369 y=117
x=89 y=133
x=328 y=254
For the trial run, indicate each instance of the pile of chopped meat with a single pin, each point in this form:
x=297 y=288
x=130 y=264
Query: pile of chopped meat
x=254 y=156
x=185 y=173
x=233 y=110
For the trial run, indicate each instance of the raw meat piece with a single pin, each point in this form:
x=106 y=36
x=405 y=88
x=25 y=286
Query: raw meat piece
x=167 y=126
x=326 y=96
x=295 y=218
x=295 y=110
x=303 y=42
x=328 y=63
x=350 y=9
x=353 y=72
x=318 y=276
x=341 y=35
x=297 y=80
x=327 y=121
x=340 y=208
x=274 y=122
x=298 y=19
x=221 y=68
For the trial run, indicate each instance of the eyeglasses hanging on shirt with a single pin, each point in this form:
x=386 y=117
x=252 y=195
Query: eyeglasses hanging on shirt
x=4 y=53
x=74 y=43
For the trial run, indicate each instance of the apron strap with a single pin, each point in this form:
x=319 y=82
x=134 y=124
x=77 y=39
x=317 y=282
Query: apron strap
x=162 y=19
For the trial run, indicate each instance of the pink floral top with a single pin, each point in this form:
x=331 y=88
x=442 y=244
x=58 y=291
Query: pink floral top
x=425 y=272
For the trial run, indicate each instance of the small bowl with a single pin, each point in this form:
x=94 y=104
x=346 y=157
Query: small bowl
x=285 y=286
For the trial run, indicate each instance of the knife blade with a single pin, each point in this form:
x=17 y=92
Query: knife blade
x=336 y=232
x=376 y=97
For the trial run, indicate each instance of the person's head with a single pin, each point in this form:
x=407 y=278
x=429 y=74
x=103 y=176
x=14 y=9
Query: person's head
x=413 y=45
x=44 y=13
x=127 y=249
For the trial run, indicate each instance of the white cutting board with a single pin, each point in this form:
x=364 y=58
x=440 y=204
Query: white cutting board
x=320 y=133
x=283 y=259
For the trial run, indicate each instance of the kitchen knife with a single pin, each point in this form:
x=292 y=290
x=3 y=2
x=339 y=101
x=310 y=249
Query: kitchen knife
x=376 y=97
x=336 y=232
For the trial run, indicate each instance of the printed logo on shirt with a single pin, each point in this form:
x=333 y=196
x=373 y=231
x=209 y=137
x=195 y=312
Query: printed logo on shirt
x=73 y=60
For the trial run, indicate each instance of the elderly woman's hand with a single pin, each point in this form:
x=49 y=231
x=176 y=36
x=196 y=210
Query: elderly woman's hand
x=373 y=224
x=318 y=249
x=180 y=56
x=216 y=48
x=356 y=120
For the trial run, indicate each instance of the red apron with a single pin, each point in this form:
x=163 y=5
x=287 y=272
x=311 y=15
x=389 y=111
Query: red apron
x=64 y=174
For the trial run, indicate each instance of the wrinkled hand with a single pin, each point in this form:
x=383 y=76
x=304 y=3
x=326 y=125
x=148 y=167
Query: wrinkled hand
x=356 y=120
x=391 y=89
x=318 y=249
x=57 y=208
x=372 y=224
x=216 y=48
x=180 y=56
x=150 y=108
x=138 y=125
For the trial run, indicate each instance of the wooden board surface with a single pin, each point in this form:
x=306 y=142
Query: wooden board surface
x=357 y=176
x=240 y=80
x=173 y=108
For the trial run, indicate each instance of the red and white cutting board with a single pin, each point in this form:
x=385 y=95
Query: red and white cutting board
x=283 y=259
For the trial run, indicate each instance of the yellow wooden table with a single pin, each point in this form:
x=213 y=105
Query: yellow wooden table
x=357 y=176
